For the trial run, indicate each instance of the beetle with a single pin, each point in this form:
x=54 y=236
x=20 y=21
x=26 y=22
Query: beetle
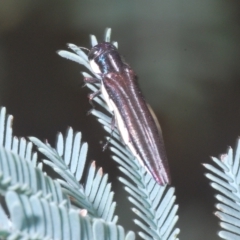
x=131 y=114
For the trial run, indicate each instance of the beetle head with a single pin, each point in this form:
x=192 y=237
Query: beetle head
x=104 y=58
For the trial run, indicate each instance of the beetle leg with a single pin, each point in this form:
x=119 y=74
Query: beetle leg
x=113 y=120
x=91 y=80
x=92 y=96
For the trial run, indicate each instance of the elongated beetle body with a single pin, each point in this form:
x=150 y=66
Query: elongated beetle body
x=133 y=118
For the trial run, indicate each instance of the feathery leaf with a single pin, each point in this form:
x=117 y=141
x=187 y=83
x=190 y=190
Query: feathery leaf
x=16 y=145
x=19 y=174
x=69 y=162
x=36 y=217
x=226 y=179
x=38 y=207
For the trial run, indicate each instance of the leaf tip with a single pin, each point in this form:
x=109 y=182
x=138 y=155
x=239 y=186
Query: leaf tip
x=100 y=171
x=93 y=164
x=83 y=212
x=223 y=157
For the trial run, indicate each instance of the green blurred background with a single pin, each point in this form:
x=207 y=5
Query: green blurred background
x=186 y=54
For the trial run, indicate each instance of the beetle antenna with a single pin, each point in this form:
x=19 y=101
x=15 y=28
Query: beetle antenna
x=85 y=49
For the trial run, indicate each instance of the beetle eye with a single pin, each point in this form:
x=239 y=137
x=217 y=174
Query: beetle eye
x=92 y=54
x=95 y=53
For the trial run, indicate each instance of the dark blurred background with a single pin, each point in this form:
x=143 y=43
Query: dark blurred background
x=186 y=54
